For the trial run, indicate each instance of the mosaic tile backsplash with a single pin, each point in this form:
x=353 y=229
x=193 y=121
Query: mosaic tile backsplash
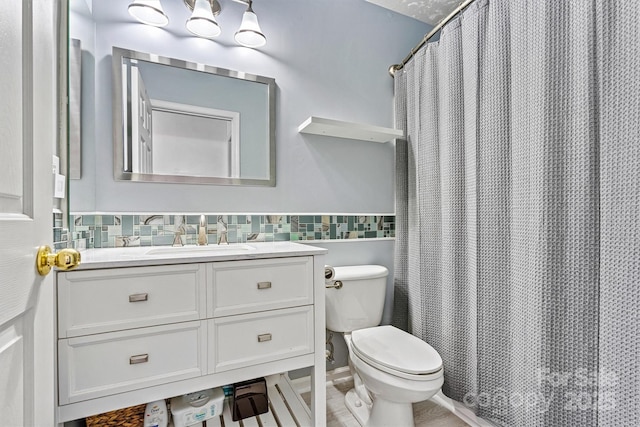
x=109 y=231
x=60 y=234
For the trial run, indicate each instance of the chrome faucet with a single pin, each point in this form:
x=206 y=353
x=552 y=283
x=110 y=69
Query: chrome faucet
x=222 y=231
x=178 y=222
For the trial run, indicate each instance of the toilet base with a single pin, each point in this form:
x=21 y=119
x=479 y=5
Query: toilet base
x=357 y=407
x=385 y=414
x=381 y=414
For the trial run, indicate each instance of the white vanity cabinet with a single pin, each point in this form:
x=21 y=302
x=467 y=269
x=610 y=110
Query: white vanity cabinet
x=130 y=333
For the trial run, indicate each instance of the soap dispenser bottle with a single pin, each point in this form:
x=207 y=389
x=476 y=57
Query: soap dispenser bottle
x=156 y=414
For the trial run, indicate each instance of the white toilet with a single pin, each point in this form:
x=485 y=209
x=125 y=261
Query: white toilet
x=391 y=369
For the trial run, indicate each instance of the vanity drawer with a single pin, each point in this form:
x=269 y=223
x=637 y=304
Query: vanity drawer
x=255 y=285
x=96 y=301
x=104 y=364
x=250 y=339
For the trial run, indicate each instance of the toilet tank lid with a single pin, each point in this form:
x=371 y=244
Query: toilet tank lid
x=360 y=272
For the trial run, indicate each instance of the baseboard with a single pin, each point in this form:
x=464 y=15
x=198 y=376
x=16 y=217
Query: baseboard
x=334 y=376
x=339 y=375
x=460 y=411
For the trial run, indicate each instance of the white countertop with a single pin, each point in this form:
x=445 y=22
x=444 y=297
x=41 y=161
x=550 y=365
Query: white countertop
x=163 y=255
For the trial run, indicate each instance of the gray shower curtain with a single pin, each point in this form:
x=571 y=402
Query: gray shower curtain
x=518 y=209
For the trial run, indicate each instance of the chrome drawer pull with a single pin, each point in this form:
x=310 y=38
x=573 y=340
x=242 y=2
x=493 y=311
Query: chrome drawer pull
x=264 y=337
x=138 y=297
x=140 y=358
x=264 y=285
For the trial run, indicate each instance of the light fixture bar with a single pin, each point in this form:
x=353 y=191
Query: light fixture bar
x=215 y=6
x=202 y=21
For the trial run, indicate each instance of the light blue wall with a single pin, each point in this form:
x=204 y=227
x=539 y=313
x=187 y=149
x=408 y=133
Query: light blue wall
x=82 y=28
x=329 y=59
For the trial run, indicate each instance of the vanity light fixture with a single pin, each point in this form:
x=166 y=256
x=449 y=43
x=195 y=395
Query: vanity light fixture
x=149 y=12
x=202 y=21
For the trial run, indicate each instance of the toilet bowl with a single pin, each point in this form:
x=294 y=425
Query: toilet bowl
x=397 y=369
x=392 y=369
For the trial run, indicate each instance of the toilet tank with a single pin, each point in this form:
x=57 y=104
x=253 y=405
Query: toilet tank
x=360 y=301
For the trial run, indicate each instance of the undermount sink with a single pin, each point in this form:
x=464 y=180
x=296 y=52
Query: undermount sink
x=199 y=249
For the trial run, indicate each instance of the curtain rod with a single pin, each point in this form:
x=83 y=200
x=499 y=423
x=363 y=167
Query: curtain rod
x=425 y=39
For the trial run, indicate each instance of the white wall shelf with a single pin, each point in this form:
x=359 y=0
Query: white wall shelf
x=336 y=128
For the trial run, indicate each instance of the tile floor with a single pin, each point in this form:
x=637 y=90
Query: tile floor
x=426 y=414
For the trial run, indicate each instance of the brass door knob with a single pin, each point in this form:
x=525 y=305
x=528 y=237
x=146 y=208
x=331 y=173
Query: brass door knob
x=66 y=259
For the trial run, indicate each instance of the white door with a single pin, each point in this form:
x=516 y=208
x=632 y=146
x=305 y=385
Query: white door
x=27 y=134
x=141 y=136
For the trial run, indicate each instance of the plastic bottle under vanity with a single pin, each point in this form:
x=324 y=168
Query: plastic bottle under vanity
x=156 y=414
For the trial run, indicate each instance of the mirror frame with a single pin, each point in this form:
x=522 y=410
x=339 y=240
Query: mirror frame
x=118 y=123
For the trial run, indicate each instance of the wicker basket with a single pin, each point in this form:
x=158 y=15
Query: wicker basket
x=127 y=417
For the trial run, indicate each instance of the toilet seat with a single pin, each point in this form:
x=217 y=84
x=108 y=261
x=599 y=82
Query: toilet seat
x=396 y=352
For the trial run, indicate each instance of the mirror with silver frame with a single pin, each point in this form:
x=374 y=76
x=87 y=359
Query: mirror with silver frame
x=183 y=122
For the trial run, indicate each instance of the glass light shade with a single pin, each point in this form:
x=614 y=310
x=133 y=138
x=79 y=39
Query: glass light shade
x=202 y=22
x=149 y=12
x=250 y=34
